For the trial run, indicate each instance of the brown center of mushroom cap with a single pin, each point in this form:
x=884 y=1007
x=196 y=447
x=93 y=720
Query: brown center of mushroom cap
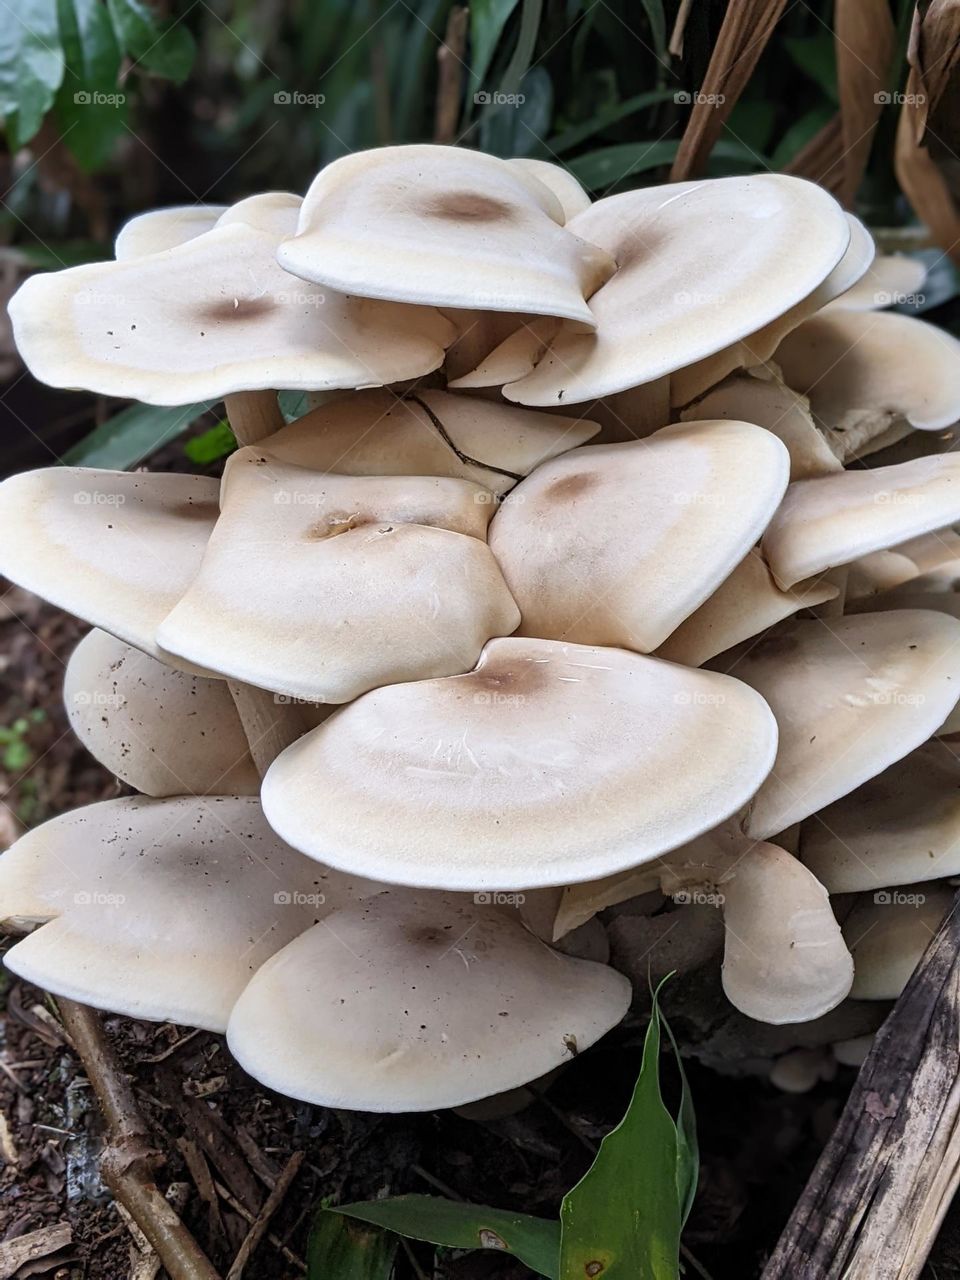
x=469 y=206
x=237 y=309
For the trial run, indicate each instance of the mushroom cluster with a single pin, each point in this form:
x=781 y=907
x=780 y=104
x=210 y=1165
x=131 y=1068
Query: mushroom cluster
x=572 y=590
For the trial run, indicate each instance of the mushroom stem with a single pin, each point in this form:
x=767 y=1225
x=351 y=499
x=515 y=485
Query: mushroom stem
x=270 y=723
x=253 y=414
x=126 y=1160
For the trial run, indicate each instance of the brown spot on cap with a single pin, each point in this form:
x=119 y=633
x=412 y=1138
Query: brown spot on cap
x=230 y=309
x=572 y=486
x=196 y=510
x=469 y=206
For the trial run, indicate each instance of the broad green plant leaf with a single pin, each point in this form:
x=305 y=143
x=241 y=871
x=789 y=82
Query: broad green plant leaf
x=622 y=1221
x=535 y=1241
x=800 y=133
x=487 y=21
x=339 y=1249
x=31 y=66
x=163 y=46
x=816 y=56
x=132 y=435
x=211 y=445
x=90 y=107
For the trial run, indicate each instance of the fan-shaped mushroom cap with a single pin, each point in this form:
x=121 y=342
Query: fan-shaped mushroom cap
x=931 y=550
x=898 y=828
x=888 y=932
x=573 y=199
x=429 y=434
x=745 y=604
x=617 y=544
x=164 y=732
x=758 y=347
x=323 y=586
x=164 y=228
x=117 y=549
x=213 y=316
x=275 y=212
x=486 y=780
x=700 y=265
x=832 y=520
x=874 y=367
x=889 y=278
x=446 y=227
x=878 y=571
x=849 y=698
x=161 y=908
x=769 y=403
x=409 y=1003
x=784 y=959
x=514 y=358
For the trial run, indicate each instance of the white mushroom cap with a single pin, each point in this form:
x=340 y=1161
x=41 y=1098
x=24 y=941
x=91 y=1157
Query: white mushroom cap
x=210 y=317
x=515 y=357
x=890 y=278
x=430 y=434
x=888 y=932
x=878 y=571
x=853 y=1051
x=548 y=764
x=117 y=549
x=164 y=908
x=617 y=544
x=850 y=697
x=769 y=403
x=898 y=828
x=164 y=732
x=784 y=959
x=877 y=366
x=323 y=586
x=931 y=550
x=573 y=199
x=414 y=1002
x=275 y=212
x=758 y=347
x=800 y=1070
x=745 y=604
x=446 y=227
x=700 y=265
x=164 y=228
x=833 y=520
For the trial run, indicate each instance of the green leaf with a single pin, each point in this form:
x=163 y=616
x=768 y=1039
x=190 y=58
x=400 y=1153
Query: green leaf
x=799 y=134
x=342 y=1250
x=607 y=166
x=211 y=445
x=519 y=63
x=132 y=435
x=622 y=1220
x=816 y=56
x=90 y=108
x=487 y=21
x=31 y=66
x=163 y=47
x=578 y=133
x=535 y=1241
x=658 y=27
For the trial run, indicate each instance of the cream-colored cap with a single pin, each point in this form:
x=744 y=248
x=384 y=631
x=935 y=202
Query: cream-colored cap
x=165 y=228
x=888 y=932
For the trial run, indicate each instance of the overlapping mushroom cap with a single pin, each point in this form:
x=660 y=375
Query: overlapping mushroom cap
x=505 y=726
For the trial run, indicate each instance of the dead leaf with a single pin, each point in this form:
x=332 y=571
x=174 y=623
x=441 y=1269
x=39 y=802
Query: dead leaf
x=865 y=38
x=35 y=1244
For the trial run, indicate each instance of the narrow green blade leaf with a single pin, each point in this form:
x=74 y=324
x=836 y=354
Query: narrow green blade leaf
x=688 y=1150
x=31 y=67
x=578 y=133
x=132 y=435
x=535 y=1241
x=622 y=1220
x=164 y=47
x=342 y=1250
x=89 y=44
x=487 y=21
x=610 y=165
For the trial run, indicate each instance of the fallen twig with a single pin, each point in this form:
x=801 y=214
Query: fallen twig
x=258 y=1227
x=875 y=1200
x=129 y=1154
x=450 y=68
